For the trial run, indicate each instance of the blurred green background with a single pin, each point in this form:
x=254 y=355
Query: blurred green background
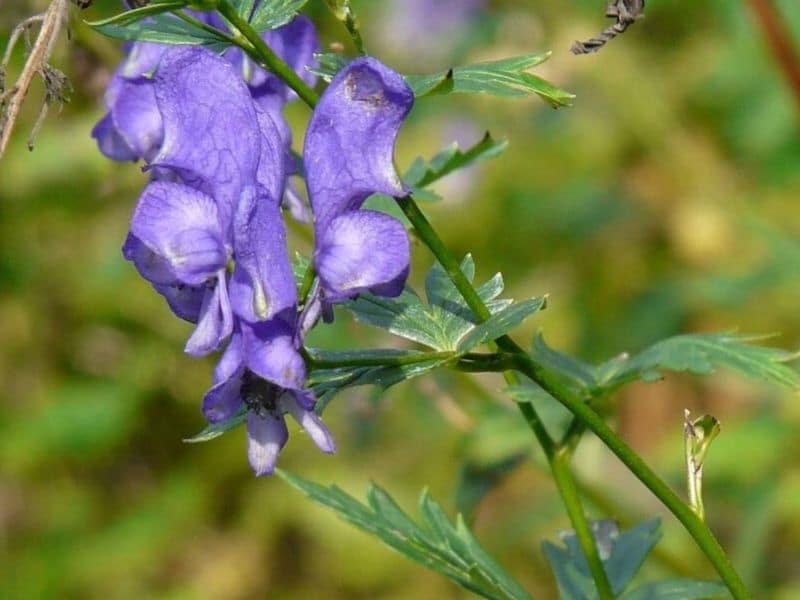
x=664 y=201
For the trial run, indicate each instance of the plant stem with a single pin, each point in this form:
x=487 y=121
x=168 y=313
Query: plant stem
x=694 y=525
x=568 y=489
x=325 y=361
x=268 y=59
x=525 y=364
x=557 y=457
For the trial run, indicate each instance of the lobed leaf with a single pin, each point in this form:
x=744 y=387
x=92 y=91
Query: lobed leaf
x=160 y=28
x=422 y=173
x=215 y=430
x=434 y=542
x=507 y=77
x=445 y=322
x=270 y=14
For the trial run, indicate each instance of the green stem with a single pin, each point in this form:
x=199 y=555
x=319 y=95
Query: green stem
x=572 y=502
x=209 y=29
x=694 y=525
x=558 y=458
x=265 y=56
x=323 y=362
x=698 y=530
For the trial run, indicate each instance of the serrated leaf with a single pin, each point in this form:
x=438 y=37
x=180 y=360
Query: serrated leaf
x=622 y=556
x=440 y=324
x=270 y=14
x=435 y=543
x=702 y=354
x=327 y=382
x=678 y=589
x=215 y=430
x=423 y=173
x=137 y=14
x=508 y=77
x=501 y=323
x=163 y=29
x=328 y=65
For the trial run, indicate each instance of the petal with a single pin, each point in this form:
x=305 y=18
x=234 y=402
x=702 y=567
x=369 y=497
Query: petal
x=180 y=225
x=224 y=399
x=153 y=267
x=270 y=352
x=363 y=250
x=110 y=142
x=232 y=359
x=348 y=151
x=210 y=127
x=263 y=283
x=266 y=436
x=272 y=161
x=186 y=301
x=295 y=203
x=310 y=422
x=142 y=59
x=136 y=117
x=215 y=322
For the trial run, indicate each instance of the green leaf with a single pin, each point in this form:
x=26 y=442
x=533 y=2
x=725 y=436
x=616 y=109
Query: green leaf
x=162 y=29
x=137 y=14
x=501 y=323
x=270 y=14
x=622 y=556
x=702 y=354
x=507 y=77
x=678 y=589
x=328 y=65
x=446 y=320
x=299 y=267
x=421 y=173
x=217 y=429
x=327 y=382
x=699 y=354
x=434 y=542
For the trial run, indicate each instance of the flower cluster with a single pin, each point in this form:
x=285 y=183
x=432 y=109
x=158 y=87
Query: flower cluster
x=208 y=230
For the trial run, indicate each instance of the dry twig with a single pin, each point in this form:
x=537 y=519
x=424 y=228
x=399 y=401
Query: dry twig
x=626 y=13
x=38 y=54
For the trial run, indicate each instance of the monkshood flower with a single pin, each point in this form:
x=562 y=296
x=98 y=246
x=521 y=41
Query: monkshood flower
x=263 y=372
x=132 y=129
x=348 y=156
x=184 y=235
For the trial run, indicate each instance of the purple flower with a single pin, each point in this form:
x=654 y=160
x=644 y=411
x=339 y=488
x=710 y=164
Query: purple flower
x=226 y=154
x=132 y=128
x=348 y=156
x=262 y=371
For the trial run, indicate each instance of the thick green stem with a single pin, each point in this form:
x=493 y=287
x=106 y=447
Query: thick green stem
x=699 y=531
x=266 y=57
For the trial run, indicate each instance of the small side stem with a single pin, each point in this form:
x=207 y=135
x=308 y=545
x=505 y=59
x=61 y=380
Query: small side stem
x=268 y=59
x=568 y=489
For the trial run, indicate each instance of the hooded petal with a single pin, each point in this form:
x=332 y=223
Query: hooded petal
x=186 y=301
x=348 y=150
x=136 y=117
x=215 y=322
x=262 y=284
x=271 y=353
x=210 y=126
x=362 y=250
x=181 y=226
x=308 y=420
x=142 y=60
x=266 y=436
x=110 y=142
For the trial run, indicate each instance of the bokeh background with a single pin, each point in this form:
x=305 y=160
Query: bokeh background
x=664 y=201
